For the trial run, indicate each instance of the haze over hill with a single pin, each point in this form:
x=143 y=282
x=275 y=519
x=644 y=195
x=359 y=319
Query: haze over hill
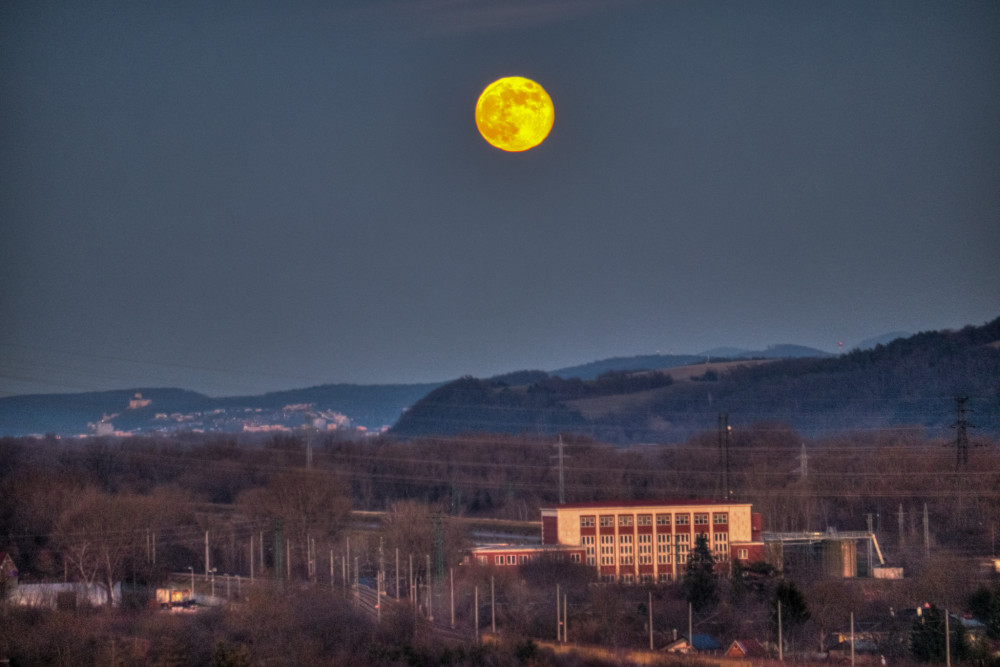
x=621 y=399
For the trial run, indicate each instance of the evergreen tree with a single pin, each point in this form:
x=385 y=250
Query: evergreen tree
x=700 y=587
x=985 y=607
x=794 y=611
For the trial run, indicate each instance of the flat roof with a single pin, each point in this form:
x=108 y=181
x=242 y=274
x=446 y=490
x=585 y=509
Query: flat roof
x=488 y=548
x=674 y=502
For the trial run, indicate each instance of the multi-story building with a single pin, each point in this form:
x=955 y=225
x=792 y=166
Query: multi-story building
x=649 y=541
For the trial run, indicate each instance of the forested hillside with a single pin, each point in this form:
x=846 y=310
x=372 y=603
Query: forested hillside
x=910 y=381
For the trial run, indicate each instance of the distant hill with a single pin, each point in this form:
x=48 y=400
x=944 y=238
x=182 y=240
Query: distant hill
x=910 y=381
x=368 y=406
x=884 y=339
x=888 y=380
x=639 y=363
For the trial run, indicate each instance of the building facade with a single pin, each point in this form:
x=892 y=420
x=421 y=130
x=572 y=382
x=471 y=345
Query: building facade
x=649 y=541
x=512 y=555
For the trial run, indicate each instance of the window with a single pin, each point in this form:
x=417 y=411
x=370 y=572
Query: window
x=588 y=543
x=574 y=558
x=625 y=549
x=644 y=520
x=511 y=560
x=663 y=577
x=624 y=519
x=607 y=520
x=683 y=547
x=663 y=549
x=499 y=560
x=701 y=519
x=645 y=549
x=720 y=518
x=586 y=522
x=524 y=558
x=662 y=519
x=626 y=578
x=683 y=519
x=607 y=549
x=742 y=554
x=721 y=546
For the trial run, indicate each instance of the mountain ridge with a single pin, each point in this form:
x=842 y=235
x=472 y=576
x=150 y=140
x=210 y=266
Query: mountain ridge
x=375 y=407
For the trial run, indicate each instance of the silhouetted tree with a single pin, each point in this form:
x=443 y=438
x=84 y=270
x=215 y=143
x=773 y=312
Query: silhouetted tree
x=700 y=587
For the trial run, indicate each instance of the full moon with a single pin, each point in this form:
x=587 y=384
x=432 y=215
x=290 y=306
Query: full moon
x=514 y=114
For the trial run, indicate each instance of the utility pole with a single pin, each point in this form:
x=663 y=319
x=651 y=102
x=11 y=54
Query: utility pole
x=558 y=615
x=279 y=552
x=870 y=533
x=902 y=534
x=947 y=638
x=724 y=431
x=781 y=648
x=927 y=533
x=438 y=547
x=560 y=456
x=430 y=590
x=961 y=434
x=650 y=608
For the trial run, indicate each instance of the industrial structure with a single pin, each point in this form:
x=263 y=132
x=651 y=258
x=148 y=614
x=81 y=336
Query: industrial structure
x=639 y=541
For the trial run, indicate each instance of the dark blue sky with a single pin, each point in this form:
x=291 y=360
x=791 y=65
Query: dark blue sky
x=237 y=197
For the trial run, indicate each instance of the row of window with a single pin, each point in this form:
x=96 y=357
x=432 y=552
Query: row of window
x=664 y=554
x=662 y=577
x=625 y=520
x=666 y=548
x=521 y=559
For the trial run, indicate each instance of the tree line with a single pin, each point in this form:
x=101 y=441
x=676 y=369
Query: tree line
x=142 y=510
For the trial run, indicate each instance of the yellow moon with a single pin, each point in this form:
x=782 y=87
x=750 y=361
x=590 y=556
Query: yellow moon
x=514 y=114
